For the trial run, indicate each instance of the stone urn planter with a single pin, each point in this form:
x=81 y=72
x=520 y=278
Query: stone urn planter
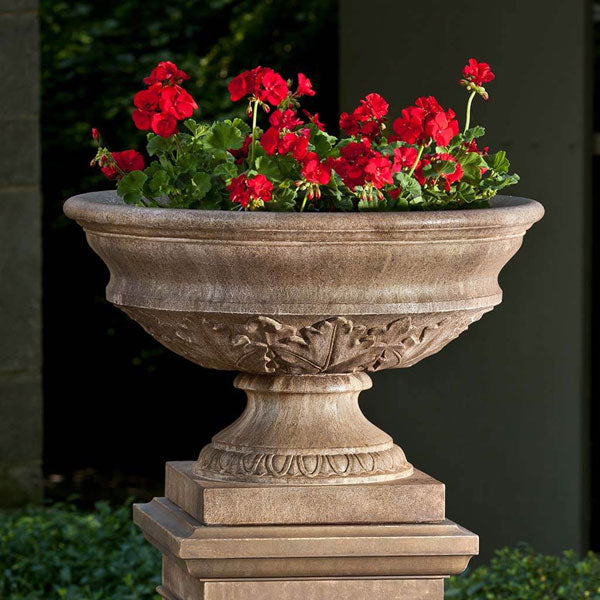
x=303 y=497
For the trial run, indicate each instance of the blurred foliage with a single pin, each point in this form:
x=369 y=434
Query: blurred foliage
x=521 y=574
x=95 y=54
x=61 y=553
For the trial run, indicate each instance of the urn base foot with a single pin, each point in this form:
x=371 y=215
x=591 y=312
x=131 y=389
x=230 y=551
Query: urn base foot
x=302 y=430
x=415 y=499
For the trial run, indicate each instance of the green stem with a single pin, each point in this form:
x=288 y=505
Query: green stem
x=412 y=170
x=253 y=142
x=303 y=203
x=468 y=119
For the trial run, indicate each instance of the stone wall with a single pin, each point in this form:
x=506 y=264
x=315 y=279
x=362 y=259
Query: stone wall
x=20 y=255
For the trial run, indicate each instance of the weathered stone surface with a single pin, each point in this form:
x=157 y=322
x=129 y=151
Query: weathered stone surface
x=19 y=152
x=20 y=439
x=306 y=551
x=178 y=585
x=18 y=5
x=19 y=65
x=302 y=430
x=20 y=272
x=415 y=499
x=20 y=256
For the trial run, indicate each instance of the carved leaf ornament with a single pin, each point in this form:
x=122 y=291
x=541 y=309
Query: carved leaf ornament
x=334 y=345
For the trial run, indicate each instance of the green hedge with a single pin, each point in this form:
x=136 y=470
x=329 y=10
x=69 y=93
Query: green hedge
x=63 y=553
x=521 y=574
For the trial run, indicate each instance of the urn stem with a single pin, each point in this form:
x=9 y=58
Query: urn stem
x=302 y=429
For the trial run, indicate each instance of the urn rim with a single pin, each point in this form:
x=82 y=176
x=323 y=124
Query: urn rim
x=104 y=209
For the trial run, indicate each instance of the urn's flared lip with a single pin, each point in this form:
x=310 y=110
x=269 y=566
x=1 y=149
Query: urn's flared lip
x=107 y=209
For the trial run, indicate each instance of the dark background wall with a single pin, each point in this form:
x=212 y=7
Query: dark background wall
x=501 y=415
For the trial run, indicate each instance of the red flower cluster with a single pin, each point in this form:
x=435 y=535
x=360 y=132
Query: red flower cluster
x=424 y=122
x=250 y=191
x=367 y=119
x=275 y=140
x=121 y=163
x=261 y=83
x=359 y=165
x=478 y=73
x=447 y=178
x=164 y=102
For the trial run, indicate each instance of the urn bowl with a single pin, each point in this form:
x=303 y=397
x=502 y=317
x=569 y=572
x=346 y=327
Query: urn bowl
x=304 y=306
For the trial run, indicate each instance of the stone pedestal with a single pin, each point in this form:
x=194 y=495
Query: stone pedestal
x=298 y=562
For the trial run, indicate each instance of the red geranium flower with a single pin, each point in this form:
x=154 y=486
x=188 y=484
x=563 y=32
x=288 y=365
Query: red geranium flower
x=304 y=86
x=409 y=126
x=425 y=121
x=147 y=99
x=142 y=119
x=95 y=135
x=285 y=120
x=478 y=72
x=296 y=144
x=404 y=157
x=374 y=106
x=367 y=119
x=378 y=171
x=269 y=140
x=429 y=104
x=274 y=87
x=177 y=102
x=314 y=119
x=442 y=127
x=261 y=83
x=314 y=171
x=244 y=190
x=126 y=161
x=164 y=124
x=166 y=72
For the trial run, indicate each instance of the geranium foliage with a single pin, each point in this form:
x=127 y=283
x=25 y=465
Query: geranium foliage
x=282 y=158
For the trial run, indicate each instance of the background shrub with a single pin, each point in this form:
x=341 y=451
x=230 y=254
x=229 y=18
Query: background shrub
x=66 y=554
x=521 y=574
x=61 y=553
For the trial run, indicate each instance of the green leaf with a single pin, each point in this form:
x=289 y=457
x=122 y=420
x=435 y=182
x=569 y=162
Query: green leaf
x=498 y=162
x=130 y=187
x=474 y=132
x=284 y=199
x=159 y=182
x=409 y=185
x=267 y=166
x=201 y=185
x=242 y=125
x=322 y=141
x=158 y=145
x=225 y=135
x=472 y=163
x=226 y=170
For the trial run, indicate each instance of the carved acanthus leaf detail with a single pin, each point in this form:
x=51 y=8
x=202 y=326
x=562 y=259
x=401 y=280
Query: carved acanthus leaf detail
x=333 y=345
